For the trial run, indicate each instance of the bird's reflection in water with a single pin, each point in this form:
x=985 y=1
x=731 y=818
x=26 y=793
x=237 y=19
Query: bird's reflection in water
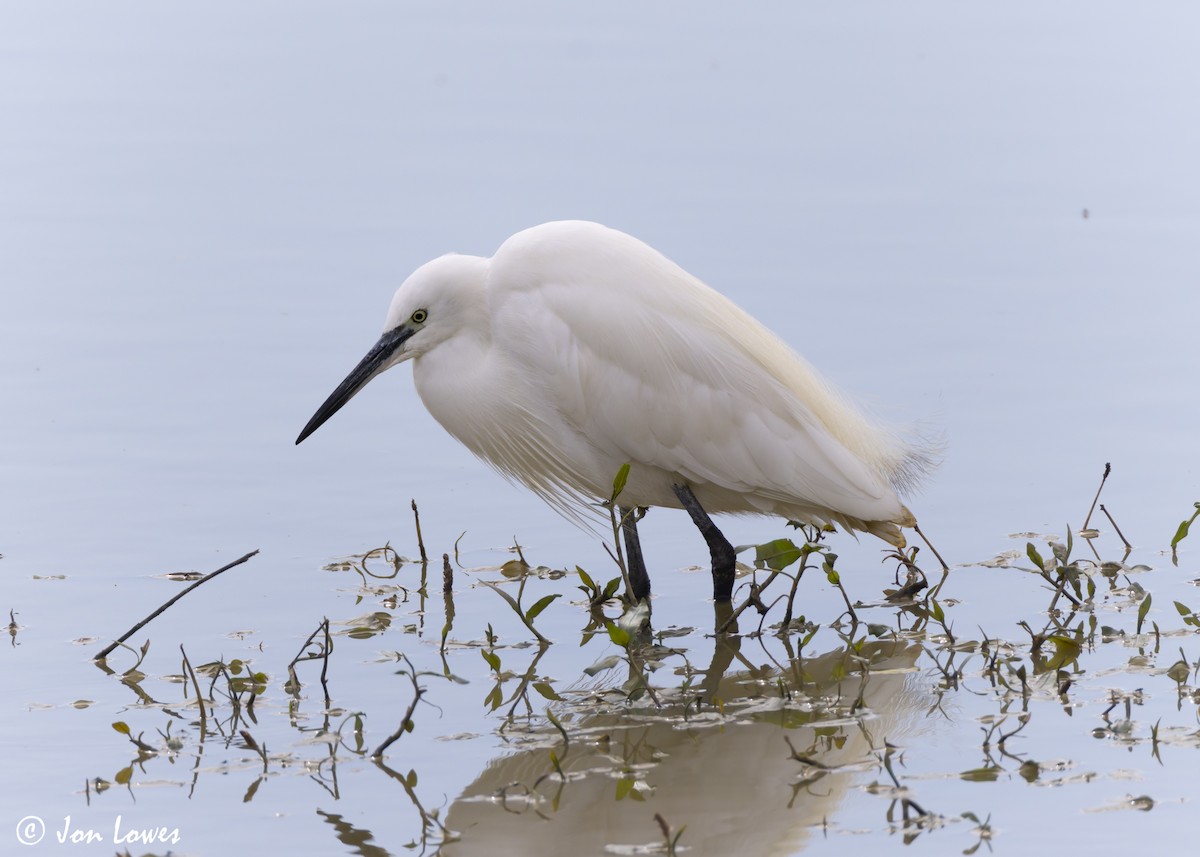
x=724 y=769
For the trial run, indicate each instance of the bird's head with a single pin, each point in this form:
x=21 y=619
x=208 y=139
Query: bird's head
x=436 y=302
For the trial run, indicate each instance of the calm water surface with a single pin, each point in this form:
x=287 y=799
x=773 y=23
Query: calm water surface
x=981 y=220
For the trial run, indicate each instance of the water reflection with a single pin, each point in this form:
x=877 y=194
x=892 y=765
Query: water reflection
x=358 y=839
x=723 y=768
x=732 y=757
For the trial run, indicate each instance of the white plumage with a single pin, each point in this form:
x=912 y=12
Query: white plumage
x=577 y=348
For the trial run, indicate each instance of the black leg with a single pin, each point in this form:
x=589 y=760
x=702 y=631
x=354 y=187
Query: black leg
x=723 y=556
x=639 y=578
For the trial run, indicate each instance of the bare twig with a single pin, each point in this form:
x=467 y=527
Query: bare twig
x=325 y=662
x=670 y=835
x=917 y=530
x=108 y=649
x=1060 y=589
x=1107 y=470
x=731 y=620
x=619 y=556
x=420 y=541
x=448 y=602
x=846 y=598
x=1128 y=546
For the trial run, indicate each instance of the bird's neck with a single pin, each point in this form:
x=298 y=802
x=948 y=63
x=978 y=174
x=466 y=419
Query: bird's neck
x=452 y=379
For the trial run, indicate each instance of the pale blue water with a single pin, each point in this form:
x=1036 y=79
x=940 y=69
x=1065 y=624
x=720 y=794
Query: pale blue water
x=205 y=212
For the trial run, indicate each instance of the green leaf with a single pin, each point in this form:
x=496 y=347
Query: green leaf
x=514 y=569
x=587 y=579
x=540 y=605
x=1034 y=556
x=1179 y=671
x=938 y=613
x=619 y=482
x=1189 y=618
x=610 y=588
x=252 y=791
x=494 y=698
x=1066 y=652
x=617 y=634
x=122 y=727
x=1143 y=609
x=411 y=779
x=776 y=555
x=625 y=787
x=493 y=659
x=808 y=637
x=1182 y=532
x=830 y=573
x=566 y=741
x=982 y=775
x=512 y=602
x=544 y=688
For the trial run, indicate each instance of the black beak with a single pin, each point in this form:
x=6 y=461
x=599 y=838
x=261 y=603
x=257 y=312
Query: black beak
x=377 y=359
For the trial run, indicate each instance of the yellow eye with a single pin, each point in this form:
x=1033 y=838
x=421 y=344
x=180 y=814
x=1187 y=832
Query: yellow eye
x=419 y=316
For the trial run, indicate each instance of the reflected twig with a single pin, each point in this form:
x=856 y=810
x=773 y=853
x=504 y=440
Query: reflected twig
x=322 y=653
x=429 y=820
x=188 y=671
x=406 y=722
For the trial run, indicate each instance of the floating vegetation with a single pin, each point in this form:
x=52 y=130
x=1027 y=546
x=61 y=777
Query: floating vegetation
x=617 y=732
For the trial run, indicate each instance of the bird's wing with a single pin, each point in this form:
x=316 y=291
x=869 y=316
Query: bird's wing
x=650 y=366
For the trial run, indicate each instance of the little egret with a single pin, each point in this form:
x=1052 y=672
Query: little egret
x=576 y=349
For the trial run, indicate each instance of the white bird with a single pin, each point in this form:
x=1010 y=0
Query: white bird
x=576 y=349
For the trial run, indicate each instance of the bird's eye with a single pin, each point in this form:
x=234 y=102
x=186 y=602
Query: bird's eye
x=419 y=316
